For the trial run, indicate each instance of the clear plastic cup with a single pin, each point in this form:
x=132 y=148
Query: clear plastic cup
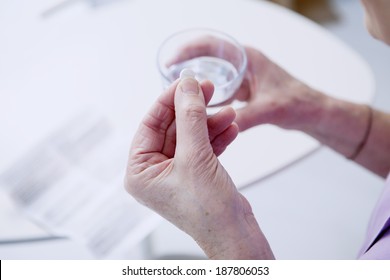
x=211 y=54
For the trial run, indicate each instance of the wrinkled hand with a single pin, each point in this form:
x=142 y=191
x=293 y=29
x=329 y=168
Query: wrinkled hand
x=274 y=96
x=271 y=94
x=173 y=169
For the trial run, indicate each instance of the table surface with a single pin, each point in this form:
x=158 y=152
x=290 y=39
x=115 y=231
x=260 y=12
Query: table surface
x=58 y=62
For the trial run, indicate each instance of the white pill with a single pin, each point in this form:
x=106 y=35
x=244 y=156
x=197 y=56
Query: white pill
x=187 y=73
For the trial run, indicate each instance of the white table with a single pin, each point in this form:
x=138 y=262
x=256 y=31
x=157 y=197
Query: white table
x=104 y=58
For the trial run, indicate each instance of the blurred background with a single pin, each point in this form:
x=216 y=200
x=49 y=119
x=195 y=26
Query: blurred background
x=330 y=181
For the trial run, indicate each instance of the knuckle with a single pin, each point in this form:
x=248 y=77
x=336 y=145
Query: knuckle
x=198 y=160
x=194 y=112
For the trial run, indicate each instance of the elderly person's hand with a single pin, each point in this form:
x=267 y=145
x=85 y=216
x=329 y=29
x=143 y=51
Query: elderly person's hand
x=173 y=169
x=274 y=96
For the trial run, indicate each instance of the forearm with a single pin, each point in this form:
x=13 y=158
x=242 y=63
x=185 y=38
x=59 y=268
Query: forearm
x=238 y=245
x=343 y=126
x=238 y=238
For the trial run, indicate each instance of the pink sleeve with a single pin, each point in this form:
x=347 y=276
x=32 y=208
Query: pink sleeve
x=377 y=242
x=380 y=250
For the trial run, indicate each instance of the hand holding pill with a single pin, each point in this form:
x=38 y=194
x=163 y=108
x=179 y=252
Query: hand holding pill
x=173 y=169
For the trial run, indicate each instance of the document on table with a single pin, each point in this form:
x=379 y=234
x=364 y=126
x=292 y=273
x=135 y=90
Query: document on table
x=72 y=185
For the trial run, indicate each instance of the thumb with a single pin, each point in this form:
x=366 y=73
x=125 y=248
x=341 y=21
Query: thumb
x=191 y=119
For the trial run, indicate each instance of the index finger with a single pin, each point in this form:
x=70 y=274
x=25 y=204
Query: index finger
x=152 y=130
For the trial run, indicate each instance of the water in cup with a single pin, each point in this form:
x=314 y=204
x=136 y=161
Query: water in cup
x=219 y=71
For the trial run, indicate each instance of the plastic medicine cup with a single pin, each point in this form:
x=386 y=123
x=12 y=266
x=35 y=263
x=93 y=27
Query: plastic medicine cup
x=211 y=54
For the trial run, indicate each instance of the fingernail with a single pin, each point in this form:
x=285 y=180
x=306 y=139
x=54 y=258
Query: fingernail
x=188 y=84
